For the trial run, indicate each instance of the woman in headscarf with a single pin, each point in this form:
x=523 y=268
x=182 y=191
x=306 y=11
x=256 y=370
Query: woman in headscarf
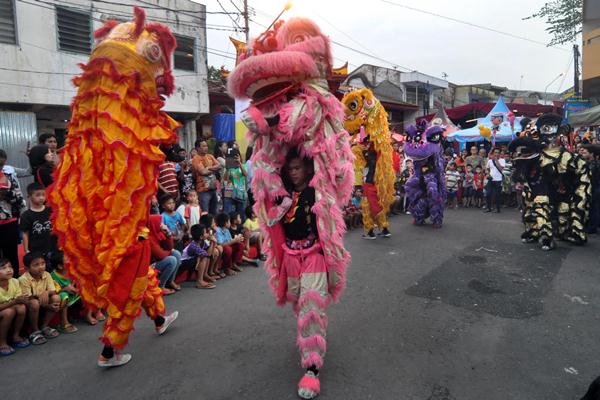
x=42 y=165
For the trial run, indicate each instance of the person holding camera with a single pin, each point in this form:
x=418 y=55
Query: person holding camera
x=495 y=165
x=236 y=193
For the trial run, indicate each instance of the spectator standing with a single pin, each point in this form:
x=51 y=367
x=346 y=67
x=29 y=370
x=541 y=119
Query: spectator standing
x=13 y=173
x=186 y=178
x=205 y=168
x=495 y=166
x=35 y=223
x=452 y=182
x=167 y=175
x=12 y=205
x=478 y=184
x=474 y=159
x=42 y=160
x=594 y=165
x=190 y=210
x=235 y=180
x=249 y=174
x=49 y=139
x=468 y=186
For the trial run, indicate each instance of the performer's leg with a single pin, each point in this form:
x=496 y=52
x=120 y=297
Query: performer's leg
x=542 y=228
x=312 y=322
x=418 y=209
x=563 y=213
x=435 y=202
x=368 y=222
x=383 y=223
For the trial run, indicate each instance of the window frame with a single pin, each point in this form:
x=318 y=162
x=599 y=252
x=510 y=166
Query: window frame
x=91 y=27
x=194 y=52
x=15 y=24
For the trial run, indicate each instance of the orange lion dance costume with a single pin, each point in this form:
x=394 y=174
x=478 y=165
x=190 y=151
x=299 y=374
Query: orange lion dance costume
x=108 y=172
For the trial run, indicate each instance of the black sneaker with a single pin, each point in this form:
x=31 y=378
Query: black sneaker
x=386 y=233
x=487 y=210
x=369 y=235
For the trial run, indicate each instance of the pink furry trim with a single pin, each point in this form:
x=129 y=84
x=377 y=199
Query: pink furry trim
x=311 y=343
x=312 y=317
x=310 y=383
x=292 y=66
x=312 y=359
x=307 y=30
x=315 y=297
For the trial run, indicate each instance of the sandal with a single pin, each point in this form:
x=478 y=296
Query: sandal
x=21 y=344
x=100 y=317
x=174 y=286
x=36 y=338
x=209 y=286
x=222 y=275
x=236 y=268
x=6 y=351
x=50 y=333
x=68 y=328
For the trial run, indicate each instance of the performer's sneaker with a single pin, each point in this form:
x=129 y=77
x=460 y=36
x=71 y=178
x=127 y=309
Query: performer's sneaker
x=168 y=321
x=386 y=233
x=369 y=235
x=309 y=386
x=116 y=361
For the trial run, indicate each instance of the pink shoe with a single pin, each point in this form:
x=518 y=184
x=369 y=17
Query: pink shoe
x=309 y=386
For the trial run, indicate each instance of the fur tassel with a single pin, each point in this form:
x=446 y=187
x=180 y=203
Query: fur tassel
x=105 y=29
x=314 y=296
x=140 y=20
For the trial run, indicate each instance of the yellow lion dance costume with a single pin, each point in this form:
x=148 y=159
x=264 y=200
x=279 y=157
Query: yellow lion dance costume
x=373 y=164
x=108 y=172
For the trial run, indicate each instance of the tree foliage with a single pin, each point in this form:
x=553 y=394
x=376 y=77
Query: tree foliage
x=564 y=19
x=214 y=74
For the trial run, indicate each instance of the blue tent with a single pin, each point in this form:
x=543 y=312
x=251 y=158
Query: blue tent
x=505 y=134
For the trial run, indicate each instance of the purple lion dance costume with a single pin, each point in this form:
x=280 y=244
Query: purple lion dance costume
x=426 y=189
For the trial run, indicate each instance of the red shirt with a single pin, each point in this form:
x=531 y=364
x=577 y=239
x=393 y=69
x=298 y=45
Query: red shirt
x=396 y=162
x=478 y=181
x=167 y=177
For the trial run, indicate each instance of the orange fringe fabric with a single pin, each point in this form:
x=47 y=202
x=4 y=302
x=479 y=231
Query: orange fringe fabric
x=105 y=181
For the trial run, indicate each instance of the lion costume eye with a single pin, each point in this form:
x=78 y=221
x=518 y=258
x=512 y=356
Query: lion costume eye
x=353 y=105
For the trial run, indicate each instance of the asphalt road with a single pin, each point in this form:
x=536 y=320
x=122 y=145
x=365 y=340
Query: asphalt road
x=463 y=312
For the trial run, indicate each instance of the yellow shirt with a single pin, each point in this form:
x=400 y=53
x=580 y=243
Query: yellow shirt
x=13 y=291
x=34 y=287
x=251 y=225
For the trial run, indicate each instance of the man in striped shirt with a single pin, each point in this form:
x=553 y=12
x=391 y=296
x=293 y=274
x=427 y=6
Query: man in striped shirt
x=167 y=175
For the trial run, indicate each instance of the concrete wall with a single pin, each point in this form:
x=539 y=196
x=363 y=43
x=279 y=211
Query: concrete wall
x=37 y=50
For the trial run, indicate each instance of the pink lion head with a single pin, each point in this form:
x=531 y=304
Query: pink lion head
x=290 y=53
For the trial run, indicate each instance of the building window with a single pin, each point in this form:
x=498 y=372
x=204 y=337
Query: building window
x=185 y=56
x=8 y=33
x=74 y=30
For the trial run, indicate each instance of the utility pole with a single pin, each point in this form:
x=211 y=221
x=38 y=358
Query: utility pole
x=576 y=56
x=246 y=27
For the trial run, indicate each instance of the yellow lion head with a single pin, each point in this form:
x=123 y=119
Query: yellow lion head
x=357 y=105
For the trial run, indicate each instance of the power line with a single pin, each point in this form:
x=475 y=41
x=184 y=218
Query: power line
x=230 y=17
x=371 y=55
x=472 y=24
x=50 y=6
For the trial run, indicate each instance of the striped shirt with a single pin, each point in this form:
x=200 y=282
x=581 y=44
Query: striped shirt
x=452 y=178
x=167 y=177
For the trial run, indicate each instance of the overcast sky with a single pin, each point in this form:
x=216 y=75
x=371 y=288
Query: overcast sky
x=417 y=41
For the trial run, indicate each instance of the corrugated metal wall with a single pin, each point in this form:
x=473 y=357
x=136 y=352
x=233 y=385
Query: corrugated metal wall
x=16 y=129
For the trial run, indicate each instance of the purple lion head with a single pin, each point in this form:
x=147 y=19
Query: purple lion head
x=421 y=143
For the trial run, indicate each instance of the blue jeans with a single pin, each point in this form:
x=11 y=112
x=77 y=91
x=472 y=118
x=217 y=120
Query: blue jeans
x=208 y=201
x=167 y=268
x=232 y=205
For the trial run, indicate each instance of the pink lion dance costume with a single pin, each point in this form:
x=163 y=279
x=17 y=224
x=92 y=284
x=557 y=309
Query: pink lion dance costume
x=284 y=73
